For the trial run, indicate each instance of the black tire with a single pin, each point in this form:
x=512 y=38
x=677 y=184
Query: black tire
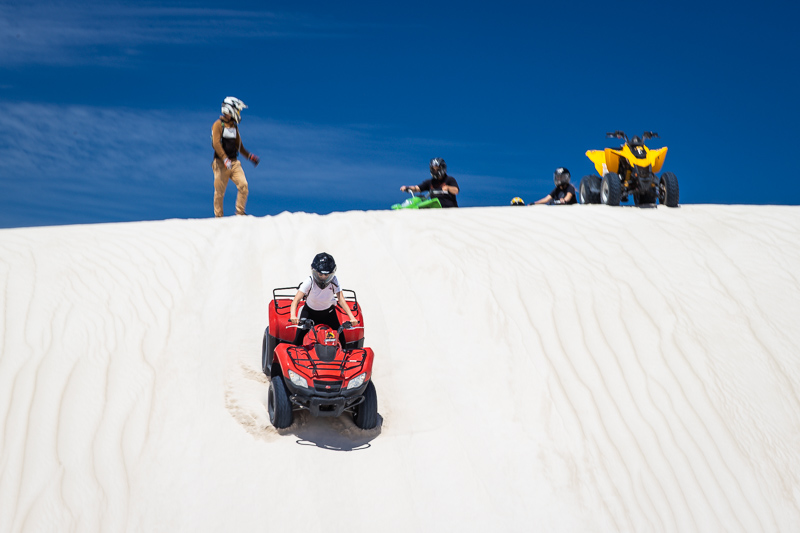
x=668 y=191
x=268 y=345
x=366 y=415
x=589 y=189
x=279 y=406
x=264 y=352
x=610 y=189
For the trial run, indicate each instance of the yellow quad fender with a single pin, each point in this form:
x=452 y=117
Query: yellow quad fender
x=607 y=160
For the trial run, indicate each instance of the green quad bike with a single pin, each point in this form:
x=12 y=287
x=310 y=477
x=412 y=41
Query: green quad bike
x=419 y=200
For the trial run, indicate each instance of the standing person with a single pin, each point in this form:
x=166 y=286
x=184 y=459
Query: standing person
x=227 y=146
x=321 y=291
x=442 y=186
x=564 y=193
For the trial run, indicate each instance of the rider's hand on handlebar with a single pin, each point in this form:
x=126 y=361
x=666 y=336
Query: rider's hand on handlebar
x=294 y=321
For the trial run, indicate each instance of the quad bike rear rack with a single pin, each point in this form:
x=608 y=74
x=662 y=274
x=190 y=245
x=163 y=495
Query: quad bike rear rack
x=282 y=299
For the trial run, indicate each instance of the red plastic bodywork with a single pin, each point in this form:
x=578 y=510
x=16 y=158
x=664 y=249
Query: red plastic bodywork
x=303 y=359
x=279 y=310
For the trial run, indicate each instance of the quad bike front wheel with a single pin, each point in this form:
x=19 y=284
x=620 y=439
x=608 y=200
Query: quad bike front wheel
x=279 y=406
x=589 y=189
x=366 y=415
x=668 y=191
x=611 y=189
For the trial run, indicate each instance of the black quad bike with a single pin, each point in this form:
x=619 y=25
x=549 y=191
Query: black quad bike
x=629 y=170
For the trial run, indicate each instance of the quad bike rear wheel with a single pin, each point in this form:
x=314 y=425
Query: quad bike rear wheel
x=268 y=345
x=668 y=191
x=611 y=189
x=366 y=413
x=590 y=189
x=279 y=406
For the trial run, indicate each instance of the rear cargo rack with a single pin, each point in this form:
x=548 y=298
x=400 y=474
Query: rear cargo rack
x=283 y=294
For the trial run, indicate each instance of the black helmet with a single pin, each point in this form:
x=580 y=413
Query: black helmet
x=438 y=168
x=323 y=265
x=561 y=176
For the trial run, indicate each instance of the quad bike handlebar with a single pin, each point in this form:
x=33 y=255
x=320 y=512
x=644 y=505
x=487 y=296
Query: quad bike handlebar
x=621 y=135
x=348 y=325
x=302 y=323
x=307 y=324
x=426 y=194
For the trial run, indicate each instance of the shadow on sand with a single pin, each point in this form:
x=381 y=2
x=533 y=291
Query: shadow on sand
x=336 y=434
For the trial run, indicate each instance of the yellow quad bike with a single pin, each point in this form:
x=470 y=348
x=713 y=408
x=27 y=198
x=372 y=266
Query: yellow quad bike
x=629 y=170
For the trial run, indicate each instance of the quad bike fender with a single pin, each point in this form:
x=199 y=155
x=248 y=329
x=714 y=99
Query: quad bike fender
x=368 y=359
x=282 y=357
x=612 y=160
x=598 y=157
x=657 y=157
x=279 y=311
x=605 y=161
x=410 y=203
x=418 y=202
x=353 y=334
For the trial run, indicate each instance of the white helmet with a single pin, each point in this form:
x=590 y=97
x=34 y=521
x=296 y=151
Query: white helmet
x=233 y=107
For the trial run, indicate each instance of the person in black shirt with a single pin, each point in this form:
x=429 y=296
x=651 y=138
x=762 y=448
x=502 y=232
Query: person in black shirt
x=564 y=193
x=441 y=186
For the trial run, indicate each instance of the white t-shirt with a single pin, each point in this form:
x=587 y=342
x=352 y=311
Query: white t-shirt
x=320 y=299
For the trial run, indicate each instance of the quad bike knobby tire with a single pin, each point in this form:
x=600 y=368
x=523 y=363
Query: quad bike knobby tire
x=668 y=191
x=589 y=190
x=611 y=189
x=279 y=406
x=366 y=413
x=268 y=345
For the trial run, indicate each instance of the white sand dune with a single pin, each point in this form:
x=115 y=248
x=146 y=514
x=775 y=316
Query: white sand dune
x=578 y=368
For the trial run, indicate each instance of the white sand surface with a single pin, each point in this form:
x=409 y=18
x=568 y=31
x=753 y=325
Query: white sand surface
x=577 y=368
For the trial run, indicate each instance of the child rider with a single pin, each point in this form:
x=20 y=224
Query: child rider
x=321 y=291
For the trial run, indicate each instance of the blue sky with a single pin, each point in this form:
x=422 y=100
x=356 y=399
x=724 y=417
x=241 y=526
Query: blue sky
x=107 y=107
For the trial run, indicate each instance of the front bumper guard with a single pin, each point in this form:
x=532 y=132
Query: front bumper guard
x=319 y=406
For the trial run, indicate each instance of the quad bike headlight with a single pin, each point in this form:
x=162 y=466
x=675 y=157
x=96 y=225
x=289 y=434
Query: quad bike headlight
x=297 y=379
x=357 y=381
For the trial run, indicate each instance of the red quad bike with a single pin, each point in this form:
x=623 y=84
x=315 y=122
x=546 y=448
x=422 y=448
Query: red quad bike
x=320 y=375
